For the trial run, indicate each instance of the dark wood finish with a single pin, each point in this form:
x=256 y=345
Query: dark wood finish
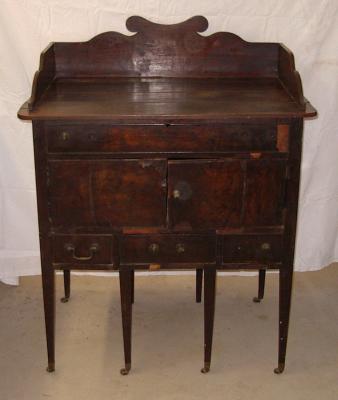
x=113 y=193
x=199 y=284
x=257 y=248
x=209 y=313
x=82 y=249
x=126 y=276
x=165 y=139
x=205 y=194
x=167 y=149
x=66 y=283
x=261 y=286
x=165 y=249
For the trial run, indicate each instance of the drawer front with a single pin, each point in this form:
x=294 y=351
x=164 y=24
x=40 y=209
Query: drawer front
x=148 y=249
x=252 y=248
x=82 y=249
x=162 y=139
x=110 y=193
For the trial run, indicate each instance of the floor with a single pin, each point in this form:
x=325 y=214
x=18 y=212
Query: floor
x=168 y=341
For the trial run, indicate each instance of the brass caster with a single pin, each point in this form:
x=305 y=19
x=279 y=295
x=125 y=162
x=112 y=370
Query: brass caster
x=256 y=300
x=206 y=368
x=51 y=367
x=279 y=369
x=64 y=299
x=125 y=370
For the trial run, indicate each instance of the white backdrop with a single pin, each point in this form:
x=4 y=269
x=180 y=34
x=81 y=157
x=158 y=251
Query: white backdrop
x=308 y=27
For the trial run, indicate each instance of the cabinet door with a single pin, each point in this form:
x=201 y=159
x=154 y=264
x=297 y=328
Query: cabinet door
x=225 y=193
x=114 y=193
x=205 y=194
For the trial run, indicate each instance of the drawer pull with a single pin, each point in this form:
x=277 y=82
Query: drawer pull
x=154 y=248
x=180 y=248
x=176 y=194
x=266 y=246
x=65 y=135
x=71 y=249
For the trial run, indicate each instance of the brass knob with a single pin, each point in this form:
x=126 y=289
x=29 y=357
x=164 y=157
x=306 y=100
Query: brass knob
x=65 y=135
x=180 y=248
x=176 y=194
x=265 y=246
x=154 y=248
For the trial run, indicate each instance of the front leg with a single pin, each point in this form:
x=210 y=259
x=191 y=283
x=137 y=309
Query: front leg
x=199 y=283
x=209 y=313
x=48 y=287
x=285 y=287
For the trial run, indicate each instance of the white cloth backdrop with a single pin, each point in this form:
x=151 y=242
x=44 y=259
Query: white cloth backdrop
x=308 y=27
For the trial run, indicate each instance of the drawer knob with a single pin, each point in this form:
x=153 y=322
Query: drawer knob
x=154 y=248
x=65 y=135
x=180 y=248
x=176 y=194
x=71 y=249
x=266 y=246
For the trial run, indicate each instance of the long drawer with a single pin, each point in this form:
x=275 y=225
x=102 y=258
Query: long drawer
x=167 y=248
x=196 y=139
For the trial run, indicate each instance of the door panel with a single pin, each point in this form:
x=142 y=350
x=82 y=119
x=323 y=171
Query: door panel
x=265 y=192
x=205 y=194
x=116 y=193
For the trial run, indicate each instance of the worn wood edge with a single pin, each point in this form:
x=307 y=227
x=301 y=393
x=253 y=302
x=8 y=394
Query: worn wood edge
x=288 y=75
x=26 y=114
x=196 y=23
x=290 y=78
x=310 y=111
x=43 y=77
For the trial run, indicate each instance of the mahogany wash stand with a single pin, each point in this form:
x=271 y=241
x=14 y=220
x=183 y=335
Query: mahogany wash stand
x=167 y=149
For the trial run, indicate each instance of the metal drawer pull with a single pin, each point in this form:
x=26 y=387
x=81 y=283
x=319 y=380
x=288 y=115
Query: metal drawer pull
x=65 y=135
x=154 y=248
x=180 y=248
x=265 y=246
x=71 y=249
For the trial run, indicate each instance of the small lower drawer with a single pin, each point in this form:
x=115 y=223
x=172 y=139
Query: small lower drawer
x=165 y=248
x=82 y=249
x=252 y=248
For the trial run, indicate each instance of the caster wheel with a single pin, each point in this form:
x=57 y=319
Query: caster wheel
x=64 y=299
x=206 y=368
x=279 y=369
x=50 y=368
x=125 y=370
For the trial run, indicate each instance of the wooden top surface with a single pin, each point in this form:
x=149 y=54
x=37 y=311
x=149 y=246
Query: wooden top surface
x=160 y=99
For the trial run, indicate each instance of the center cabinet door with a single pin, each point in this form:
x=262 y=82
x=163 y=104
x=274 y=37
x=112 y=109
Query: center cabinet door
x=225 y=193
x=113 y=193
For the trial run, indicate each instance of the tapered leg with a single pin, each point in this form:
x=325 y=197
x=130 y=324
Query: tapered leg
x=66 y=282
x=209 y=312
x=261 y=286
x=199 y=280
x=132 y=286
x=48 y=286
x=126 y=308
x=285 y=288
